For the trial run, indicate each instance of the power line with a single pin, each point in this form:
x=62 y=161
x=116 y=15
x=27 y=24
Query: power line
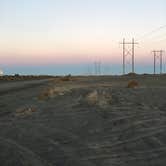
x=162 y=39
x=155 y=38
x=151 y=32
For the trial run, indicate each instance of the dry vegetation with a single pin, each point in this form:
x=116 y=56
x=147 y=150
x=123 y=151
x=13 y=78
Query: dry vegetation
x=66 y=78
x=133 y=84
x=99 y=98
x=59 y=86
x=132 y=74
x=22 y=78
x=25 y=111
x=52 y=92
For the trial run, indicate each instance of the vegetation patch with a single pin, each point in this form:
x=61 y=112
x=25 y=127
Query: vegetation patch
x=133 y=84
x=66 y=78
x=99 y=98
x=25 y=111
x=18 y=77
x=52 y=92
x=132 y=74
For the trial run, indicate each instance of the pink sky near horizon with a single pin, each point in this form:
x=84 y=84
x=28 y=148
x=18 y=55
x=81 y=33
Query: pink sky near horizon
x=70 y=59
x=73 y=53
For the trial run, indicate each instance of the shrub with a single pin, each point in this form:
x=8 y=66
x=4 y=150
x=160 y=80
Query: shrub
x=47 y=93
x=92 y=97
x=66 y=78
x=24 y=111
x=99 y=98
x=132 y=84
x=132 y=74
x=16 y=75
x=52 y=92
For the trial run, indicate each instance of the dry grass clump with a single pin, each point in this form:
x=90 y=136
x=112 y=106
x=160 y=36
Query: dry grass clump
x=25 y=111
x=47 y=93
x=52 y=92
x=66 y=78
x=92 y=98
x=132 y=84
x=99 y=98
x=131 y=74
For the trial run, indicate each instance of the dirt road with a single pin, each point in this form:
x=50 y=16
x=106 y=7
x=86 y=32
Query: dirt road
x=18 y=85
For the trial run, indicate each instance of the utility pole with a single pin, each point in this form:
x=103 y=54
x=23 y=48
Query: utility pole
x=154 y=54
x=126 y=52
x=123 y=56
x=161 y=61
x=99 y=68
x=158 y=54
x=97 y=65
x=95 y=72
x=133 y=56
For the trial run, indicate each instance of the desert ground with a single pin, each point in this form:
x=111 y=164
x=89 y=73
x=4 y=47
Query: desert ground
x=83 y=121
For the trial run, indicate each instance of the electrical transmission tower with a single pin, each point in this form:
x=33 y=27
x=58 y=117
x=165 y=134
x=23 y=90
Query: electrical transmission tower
x=158 y=54
x=97 y=68
x=126 y=52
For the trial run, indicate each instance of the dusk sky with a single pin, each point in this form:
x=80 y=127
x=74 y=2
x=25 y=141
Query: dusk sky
x=68 y=36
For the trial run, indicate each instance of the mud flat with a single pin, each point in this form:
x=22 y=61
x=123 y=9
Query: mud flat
x=84 y=121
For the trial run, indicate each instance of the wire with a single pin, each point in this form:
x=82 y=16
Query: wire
x=151 y=32
x=161 y=40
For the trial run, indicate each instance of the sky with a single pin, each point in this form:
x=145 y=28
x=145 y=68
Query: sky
x=68 y=36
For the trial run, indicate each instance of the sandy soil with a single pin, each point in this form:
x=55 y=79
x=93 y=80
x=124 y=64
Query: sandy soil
x=88 y=121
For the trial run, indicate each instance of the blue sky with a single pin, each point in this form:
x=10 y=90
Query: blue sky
x=39 y=34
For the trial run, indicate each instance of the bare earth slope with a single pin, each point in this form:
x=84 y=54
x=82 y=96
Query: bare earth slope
x=88 y=121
